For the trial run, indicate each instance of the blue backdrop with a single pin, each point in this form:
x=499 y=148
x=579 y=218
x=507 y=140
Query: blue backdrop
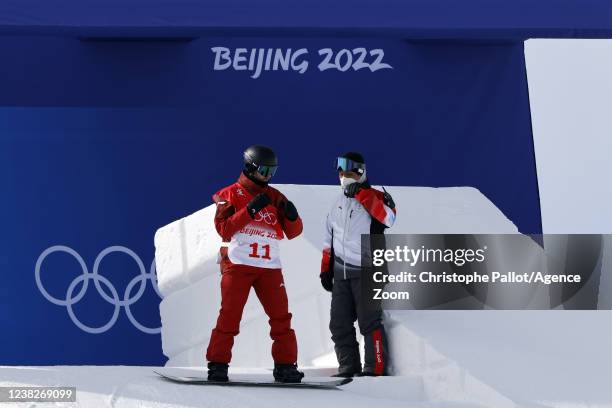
x=101 y=143
x=440 y=19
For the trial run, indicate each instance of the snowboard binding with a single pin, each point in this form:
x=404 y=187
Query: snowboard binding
x=287 y=373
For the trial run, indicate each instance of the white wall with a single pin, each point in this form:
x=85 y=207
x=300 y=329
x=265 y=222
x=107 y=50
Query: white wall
x=570 y=88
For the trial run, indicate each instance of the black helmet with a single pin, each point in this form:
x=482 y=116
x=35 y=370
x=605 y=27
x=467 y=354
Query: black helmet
x=261 y=159
x=351 y=161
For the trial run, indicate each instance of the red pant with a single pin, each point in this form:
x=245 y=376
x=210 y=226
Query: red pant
x=236 y=282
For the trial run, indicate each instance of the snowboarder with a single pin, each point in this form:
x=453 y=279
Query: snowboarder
x=252 y=218
x=360 y=209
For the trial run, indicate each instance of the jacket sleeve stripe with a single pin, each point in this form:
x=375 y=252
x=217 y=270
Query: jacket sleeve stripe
x=326 y=260
x=372 y=200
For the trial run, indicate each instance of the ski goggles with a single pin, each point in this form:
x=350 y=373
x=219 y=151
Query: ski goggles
x=344 y=164
x=266 y=171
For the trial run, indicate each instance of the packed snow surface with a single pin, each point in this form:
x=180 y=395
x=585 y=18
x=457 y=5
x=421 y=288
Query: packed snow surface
x=131 y=387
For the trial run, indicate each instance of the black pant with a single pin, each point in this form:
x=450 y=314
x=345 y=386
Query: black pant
x=346 y=307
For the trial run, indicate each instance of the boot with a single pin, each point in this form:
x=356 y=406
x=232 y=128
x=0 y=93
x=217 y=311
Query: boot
x=287 y=373
x=217 y=372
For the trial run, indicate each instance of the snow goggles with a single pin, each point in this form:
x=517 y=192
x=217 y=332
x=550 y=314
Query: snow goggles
x=344 y=164
x=266 y=171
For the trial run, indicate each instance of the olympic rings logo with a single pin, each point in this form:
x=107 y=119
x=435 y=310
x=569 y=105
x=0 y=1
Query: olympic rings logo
x=99 y=280
x=266 y=216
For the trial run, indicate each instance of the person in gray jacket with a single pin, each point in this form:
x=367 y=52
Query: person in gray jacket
x=359 y=209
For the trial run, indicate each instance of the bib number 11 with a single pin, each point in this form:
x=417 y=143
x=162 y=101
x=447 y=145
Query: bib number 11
x=255 y=251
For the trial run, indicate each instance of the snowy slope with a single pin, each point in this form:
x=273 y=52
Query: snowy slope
x=132 y=387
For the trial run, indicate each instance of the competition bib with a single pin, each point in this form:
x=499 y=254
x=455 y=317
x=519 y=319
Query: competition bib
x=257 y=243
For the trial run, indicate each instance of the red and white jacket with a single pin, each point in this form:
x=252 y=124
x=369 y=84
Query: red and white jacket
x=366 y=213
x=253 y=242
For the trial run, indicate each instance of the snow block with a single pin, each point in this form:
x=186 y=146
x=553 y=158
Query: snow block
x=186 y=250
x=188 y=315
x=188 y=273
x=170 y=262
x=189 y=280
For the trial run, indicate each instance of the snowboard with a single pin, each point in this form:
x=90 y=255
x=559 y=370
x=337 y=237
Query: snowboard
x=190 y=376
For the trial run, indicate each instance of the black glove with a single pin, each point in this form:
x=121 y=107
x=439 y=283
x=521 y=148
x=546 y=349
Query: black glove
x=352 y=189
x=257 y=204
x=327 y=280
x=290 y=211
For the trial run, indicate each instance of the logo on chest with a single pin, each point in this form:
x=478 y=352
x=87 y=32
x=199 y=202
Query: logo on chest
x=266 y=216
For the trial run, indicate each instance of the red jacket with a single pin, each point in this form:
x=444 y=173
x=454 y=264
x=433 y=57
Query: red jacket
x=253 y=241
